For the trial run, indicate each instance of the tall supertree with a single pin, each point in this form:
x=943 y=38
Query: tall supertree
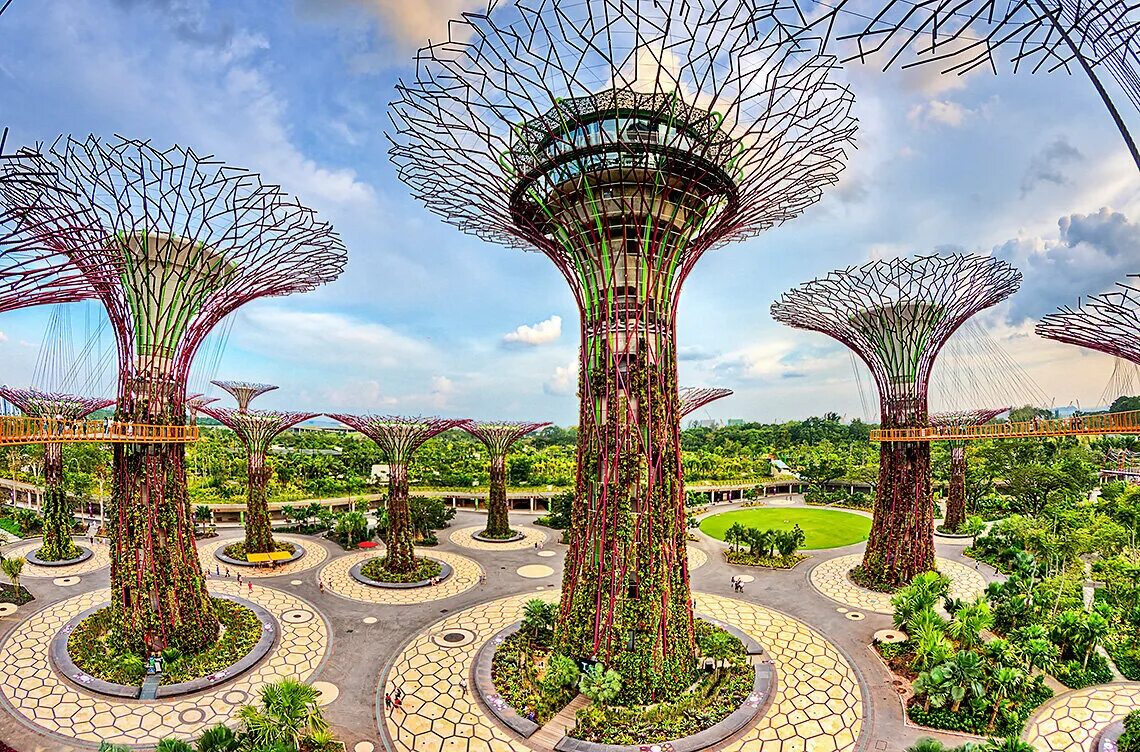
x=172 y=242
x=896 y=315
x=399 y=438
x=693 y=398
x=498 y=436
x=622 y=139
x=256 y=429
x=244 y=392
x=195 y=403
x=1109 y=322
x=58 y=512
x=956 y=497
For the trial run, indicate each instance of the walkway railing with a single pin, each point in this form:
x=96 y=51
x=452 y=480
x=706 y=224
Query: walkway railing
x=1079 y=425
x=19 y=429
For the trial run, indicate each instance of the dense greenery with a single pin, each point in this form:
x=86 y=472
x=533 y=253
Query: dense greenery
x=374 y=569
x=93 y=649
x=766 y=548
x=237 y=550
x=1129 y=741
x=529 y=676
x=12 y=567
x=822 y=528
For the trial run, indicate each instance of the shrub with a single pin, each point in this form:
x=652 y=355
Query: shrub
x=600 y=684
x=1129 y=741
x=425 y=569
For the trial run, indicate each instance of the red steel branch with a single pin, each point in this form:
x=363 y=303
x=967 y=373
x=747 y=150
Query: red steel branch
x=955 y=517
x=244 y=391
x=498 y=437
x=695 y=397
x=1109 y=322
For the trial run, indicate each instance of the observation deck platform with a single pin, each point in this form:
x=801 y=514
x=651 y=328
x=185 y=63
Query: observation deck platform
x=19 y=429
x=1078 y=425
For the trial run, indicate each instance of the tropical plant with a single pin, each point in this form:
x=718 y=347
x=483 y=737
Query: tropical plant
x=351 y=527
x=538 y=620
x=969 y=622
x=720 y=646
x=173 y=745
x=201 y=514
x=12 y=567
x=926 y=744
x=562 y=671
x=219 y=738
x=736 y=534
x=933 y=687
x=1040 y=653
x=600 y=684
x=1003 y=684
x=289 y=714
x=108 y=747
x=1094 y=629
x=966 y=671
x=1008 y=744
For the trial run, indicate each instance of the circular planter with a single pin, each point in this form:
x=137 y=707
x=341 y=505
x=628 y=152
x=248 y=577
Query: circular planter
x=754 y=705
x=356 y=574
x=513 y=539
x=219 y=554
x=84 y=555
x=1106 y=742
x=953 y=536
x=61 y=660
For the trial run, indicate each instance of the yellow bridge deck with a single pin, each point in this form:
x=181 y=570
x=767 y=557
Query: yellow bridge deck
x=1083 y=425
x=18 y=429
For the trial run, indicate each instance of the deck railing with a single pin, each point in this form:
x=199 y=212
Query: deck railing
x=19 y=429
x=1078 y=425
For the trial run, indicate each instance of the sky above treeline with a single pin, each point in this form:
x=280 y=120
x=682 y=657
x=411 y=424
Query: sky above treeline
x=1028 y=168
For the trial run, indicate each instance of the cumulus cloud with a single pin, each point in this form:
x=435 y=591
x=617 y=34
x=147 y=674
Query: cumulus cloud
x=1089 y=254
x=774 y=360
x=542 y=333
x=3 y=337
x=401 y=26
x=564 y=381
x=941 y=112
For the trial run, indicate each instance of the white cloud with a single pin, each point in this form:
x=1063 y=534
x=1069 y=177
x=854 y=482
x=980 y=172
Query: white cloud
x=3 y=337
x=357 y=395
x=941 y=111
x=564 y=381
x=542 y=333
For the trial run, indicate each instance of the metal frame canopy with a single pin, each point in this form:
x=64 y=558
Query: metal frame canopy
x=1109 y=322
x=244 y=392
x=695 y=397
x=955 y=517
x=498 y=436
x=896 y=315
x=623 y=139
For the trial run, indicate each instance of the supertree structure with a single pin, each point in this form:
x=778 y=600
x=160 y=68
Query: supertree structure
x=622 y=139
x=32 y=272
x=244 y=391
x=498 y=437
x=1095 y=37
x=896 y=315
x=58 y=512
x=256 y=429
x=693 y=398
x=195 y=403
x=956 y=496
x=1109 y=322
x=172 y=242
x=399 y=438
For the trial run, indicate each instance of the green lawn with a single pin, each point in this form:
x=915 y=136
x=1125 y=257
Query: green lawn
x=823 y=528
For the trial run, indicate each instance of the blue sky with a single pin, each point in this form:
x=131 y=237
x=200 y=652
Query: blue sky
x=425 y=319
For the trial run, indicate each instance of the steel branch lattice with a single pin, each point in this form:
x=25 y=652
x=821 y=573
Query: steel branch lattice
x=195 y=403
x=695 y=397
x=499 y=435
x=244 y=391
x=896 y=315
x=1109 y=322
x=39 y=404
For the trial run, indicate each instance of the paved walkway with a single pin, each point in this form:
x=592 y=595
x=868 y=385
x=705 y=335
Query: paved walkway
x=465 y=537
x=315 y=555
x=831 y=580
x=100 y=558
x=1071 y=722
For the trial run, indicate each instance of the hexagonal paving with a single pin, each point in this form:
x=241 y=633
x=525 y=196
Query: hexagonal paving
x=337 y=580
x=315 y=555
x=830 y=579
x=697 y=558
x=1072 y=721
x=464 y=536
x=55 y=706
x=817 y=705
x=100 y=558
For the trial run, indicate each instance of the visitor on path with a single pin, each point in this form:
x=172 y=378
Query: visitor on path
x=239 y=579
x=321 y=585
x=536 y=545
x=463 y=686
x=250 y=584
x=227 y=571
x=388 y=701
x=399 y=693
x=398 y=703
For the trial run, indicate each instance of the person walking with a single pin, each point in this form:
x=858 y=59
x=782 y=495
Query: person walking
x=239 y=579
x=463 y=686
x=250 y=584
x=399 y=693
x=321 y=585
x=388 y=701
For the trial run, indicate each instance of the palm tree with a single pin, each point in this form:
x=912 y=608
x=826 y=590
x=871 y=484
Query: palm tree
x=288 y=715
x=966 y=671
x=108 y=747
x=217 y=738
x=1008 y=744
x=12 y=567
x=927 y=744
x=931 y=649
x=201 y=515
x=1040 y=653
x=736 y=534
x=1004 y=683
x=1001 y=652
x=173 y=745
x=969 y=622
x=718 y=646
x=1067 y=630
x=1094 y=630
x=538 y=620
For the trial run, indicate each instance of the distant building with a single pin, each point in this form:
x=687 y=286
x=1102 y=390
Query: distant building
x=379 y=474
x=331 y=428
x=736 y=421
x=706 y=423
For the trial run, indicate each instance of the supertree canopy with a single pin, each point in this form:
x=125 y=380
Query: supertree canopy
x=622 y=139
x=1109 y=322
x=399 y=438
x=257 y=429
x=244 y=391
x=58 y=512
x=172 y=242
x=195 y=403
x=955 y=517
x=693 y=398
x=498 y=436
x=896 y=315
x=32 y=272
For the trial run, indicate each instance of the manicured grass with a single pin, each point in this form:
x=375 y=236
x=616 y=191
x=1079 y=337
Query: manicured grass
x=824 y=528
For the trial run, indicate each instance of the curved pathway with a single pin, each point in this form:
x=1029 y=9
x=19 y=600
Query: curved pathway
x=315 y=555
x=817 y=706
x=39 y=697
x=465 y=537
x=338 y=581
x=101 y=557
x=1072 y=721
x=830 y=579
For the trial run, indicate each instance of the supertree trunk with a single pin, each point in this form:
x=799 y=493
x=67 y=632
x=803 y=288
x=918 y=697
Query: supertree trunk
x=902 y=534
x=625 y=599
x=498 y=522
x=258 y=528
x=158 y=593
x=400 y=555
x=59 y=517
x=956 y=497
